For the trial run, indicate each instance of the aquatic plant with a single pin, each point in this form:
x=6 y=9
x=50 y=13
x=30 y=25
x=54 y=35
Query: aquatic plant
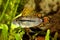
x=55 y=36
x=9 y=9
x=8 y=14
x=47 y=37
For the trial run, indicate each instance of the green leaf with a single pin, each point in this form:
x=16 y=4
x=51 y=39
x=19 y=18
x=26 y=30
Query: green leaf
x=4 y=10
x=47 y=37
x=55 y=36
x=4 y=31
x=0 y=2
x=17 y=36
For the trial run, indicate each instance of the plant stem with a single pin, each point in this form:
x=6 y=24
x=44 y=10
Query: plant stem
x=4 y=10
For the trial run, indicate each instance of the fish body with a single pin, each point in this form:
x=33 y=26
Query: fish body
x=27 y=22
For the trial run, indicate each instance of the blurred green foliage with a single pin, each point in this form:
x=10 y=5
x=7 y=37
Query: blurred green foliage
x=4 y=28
x=47 y=37
x=55 y=36
x=8 y=11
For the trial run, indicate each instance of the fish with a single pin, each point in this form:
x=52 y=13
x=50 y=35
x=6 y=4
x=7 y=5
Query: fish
x=27 y=22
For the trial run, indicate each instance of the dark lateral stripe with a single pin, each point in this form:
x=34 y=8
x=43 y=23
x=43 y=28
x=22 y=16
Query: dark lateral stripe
x=27 y=20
